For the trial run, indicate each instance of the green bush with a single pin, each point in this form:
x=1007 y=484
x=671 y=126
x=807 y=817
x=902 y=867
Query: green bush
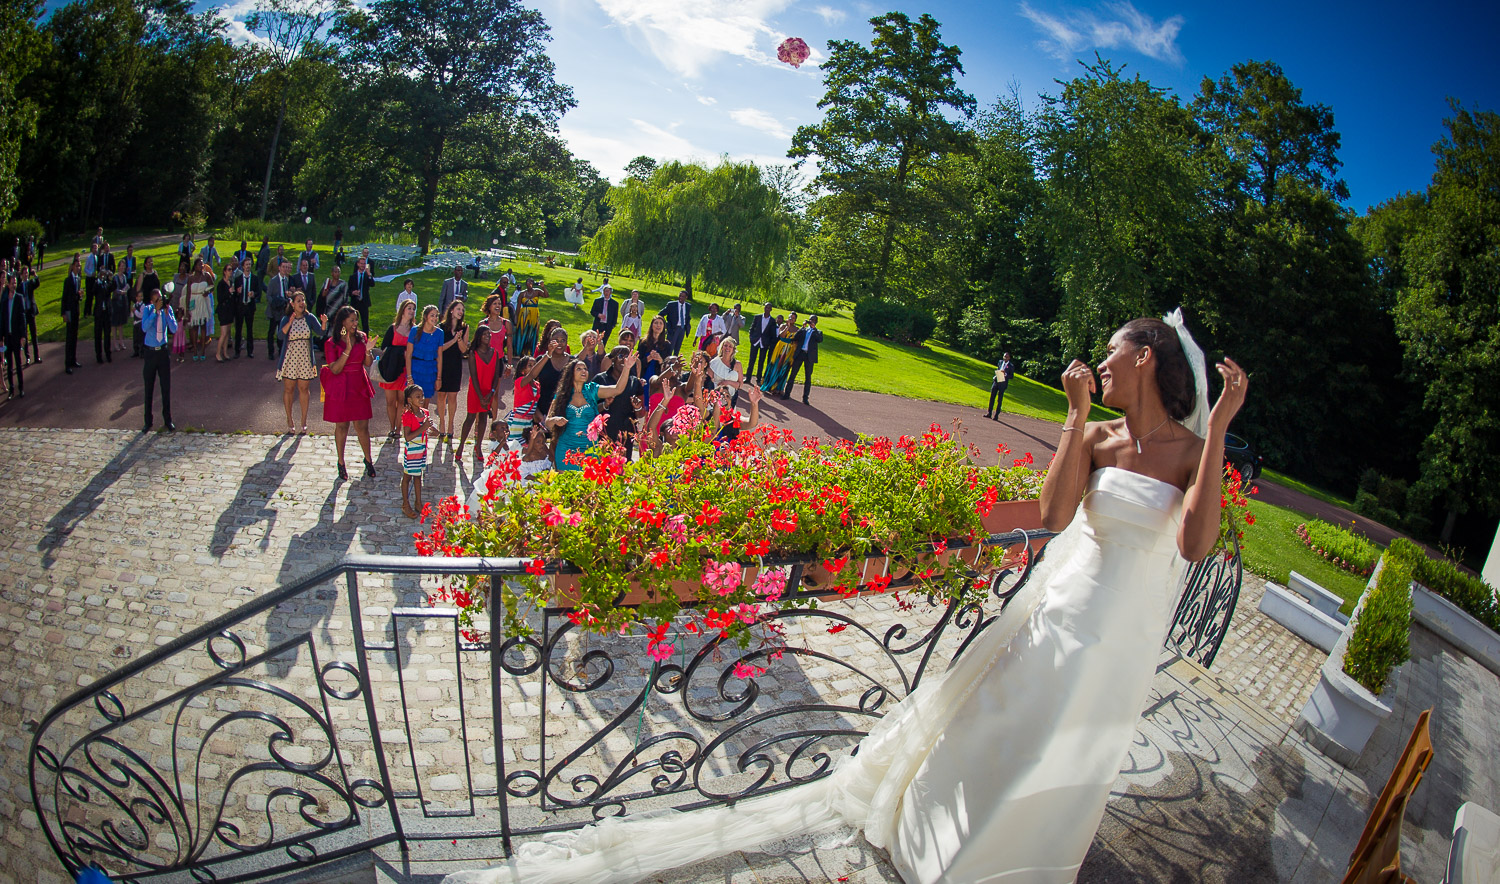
x=1343 y=548
x=897 y=322
x=1473 y=595
x=23 y=227
x=1381 y=639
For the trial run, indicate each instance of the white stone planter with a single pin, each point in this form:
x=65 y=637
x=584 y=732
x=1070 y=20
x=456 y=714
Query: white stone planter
x=1341 y=715
x=1293 y=610
x=1455 y=626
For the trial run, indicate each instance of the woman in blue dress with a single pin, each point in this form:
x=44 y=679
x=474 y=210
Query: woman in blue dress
x=577 y=403
x=422 y=347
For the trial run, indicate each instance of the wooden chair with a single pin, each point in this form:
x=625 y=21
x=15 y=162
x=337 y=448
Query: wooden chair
x=1377 y=857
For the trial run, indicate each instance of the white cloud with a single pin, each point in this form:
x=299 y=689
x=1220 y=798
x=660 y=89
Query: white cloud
x=760 y=121
x=707 y=100
x=234 y=17
x=1117 y=25
x=685 y=35
x=830 y=15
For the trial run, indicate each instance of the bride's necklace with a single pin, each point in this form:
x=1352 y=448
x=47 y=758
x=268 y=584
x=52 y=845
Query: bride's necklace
x=1142 y=438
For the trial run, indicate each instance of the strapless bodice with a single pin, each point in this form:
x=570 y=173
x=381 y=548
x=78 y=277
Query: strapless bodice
x=1132 y=510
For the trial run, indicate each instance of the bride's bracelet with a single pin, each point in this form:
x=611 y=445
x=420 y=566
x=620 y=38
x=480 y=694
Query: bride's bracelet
x=1072 y=429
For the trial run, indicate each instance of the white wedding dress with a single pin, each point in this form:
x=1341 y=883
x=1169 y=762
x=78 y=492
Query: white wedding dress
x=999 y=769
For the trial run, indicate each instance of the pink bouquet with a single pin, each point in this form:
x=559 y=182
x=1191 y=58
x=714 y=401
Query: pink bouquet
x=793 y=51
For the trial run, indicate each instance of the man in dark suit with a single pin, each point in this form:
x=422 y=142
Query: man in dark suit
x=762 y=342
x=13 y=333
x=359 y=293
x=805 y=356
x=245 y=289
x=278 y=300
x=72 y=306
x=97 y=298
x=28 y=294
x=606 y=313
x=677 y=315
x=303 y=279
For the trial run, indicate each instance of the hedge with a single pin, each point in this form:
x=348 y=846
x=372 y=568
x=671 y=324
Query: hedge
x=22 y=227
x=1473 y=595
x=1341 y=547
x=1381 y=639
x=896 y=322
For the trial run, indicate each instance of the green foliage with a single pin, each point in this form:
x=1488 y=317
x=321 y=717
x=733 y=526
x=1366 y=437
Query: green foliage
x=723 y=228
x=896 y=322
x=1443 y=577
x=885 y=131
x=18 y=114
x=1342 y=547
x=1381 y=638
x=22 y=227
x=1448 y=315
x=1273 y=550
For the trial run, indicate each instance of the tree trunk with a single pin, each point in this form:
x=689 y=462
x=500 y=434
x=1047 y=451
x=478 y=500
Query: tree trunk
x=431 y=177
x=890 y=231
x=688 y=285
x=265 y=189
x=1448 y=525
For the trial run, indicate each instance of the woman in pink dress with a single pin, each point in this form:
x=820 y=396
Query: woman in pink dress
x=346 y=385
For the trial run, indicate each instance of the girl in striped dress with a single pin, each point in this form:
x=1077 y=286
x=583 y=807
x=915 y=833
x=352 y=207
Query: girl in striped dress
x=523 y=404
x=415 y=425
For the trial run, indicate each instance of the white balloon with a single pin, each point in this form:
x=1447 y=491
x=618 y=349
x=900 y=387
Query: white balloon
x=170 y=287
x=307 y=220
x=351 y=228
x=304 y=208
x=494 y=242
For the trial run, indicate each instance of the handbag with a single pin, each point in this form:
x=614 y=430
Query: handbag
x=392 y=362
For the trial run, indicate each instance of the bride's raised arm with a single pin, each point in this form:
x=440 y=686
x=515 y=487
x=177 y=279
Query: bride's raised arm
x=1069 y=473
x=1200 y=507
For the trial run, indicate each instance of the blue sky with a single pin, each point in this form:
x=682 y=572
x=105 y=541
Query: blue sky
x=696 y=79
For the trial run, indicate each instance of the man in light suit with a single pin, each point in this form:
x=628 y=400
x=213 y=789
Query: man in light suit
x=677 y=315
x=804 y=355
x=762 y=342
x=359 y=293
x=455 y=289
x=734 y=320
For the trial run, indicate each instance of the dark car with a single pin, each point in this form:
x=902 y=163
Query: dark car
x=1242 y=457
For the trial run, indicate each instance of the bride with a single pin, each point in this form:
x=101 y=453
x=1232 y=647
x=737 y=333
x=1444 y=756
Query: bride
x=999 y=770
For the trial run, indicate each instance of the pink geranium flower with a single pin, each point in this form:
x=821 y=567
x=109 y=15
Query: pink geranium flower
x=596 y=427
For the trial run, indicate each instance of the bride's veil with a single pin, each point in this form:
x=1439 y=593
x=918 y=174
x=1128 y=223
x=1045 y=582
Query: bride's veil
x=1197 y=420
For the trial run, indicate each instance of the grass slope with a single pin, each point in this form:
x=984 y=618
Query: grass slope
x=1272 y=550
x=849 y=360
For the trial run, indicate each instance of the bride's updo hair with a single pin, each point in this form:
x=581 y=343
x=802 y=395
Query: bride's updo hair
x=1174 y=377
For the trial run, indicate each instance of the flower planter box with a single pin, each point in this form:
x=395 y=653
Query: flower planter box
x=1006 y=516
x=1455 y=626
x=1293 y=611
x=1340 y=716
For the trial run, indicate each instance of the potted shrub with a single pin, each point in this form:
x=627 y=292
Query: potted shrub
x=1345 y=706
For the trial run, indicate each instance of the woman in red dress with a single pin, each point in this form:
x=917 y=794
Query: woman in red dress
x=486 y=366
x=346 y=385
x=395 y=336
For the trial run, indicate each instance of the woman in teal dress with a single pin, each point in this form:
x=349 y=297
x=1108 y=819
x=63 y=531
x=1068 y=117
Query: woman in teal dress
x=577 y=403
x=780 y=363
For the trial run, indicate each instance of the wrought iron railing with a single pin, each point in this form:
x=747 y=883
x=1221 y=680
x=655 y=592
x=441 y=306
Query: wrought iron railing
x=312 y=724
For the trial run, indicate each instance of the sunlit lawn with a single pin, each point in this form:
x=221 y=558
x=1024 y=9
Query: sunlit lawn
x=1310 y=490
x=1272 y=549
x=848 y=360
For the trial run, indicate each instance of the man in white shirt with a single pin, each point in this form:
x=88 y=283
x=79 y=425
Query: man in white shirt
x=710 y=324
x=210 y=254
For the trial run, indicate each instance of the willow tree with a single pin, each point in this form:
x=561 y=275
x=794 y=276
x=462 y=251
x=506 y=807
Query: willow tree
x=725 y=227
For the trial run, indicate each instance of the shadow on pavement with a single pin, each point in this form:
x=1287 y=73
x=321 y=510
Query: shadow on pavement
x=86 y=501
x=262 y=479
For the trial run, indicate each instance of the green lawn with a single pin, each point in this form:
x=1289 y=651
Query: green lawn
x=849 y=361
x=1272 y=549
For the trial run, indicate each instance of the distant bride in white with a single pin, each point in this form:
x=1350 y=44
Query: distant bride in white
x=999 y=769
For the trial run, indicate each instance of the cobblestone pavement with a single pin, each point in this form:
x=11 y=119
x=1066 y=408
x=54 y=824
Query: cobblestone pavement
x=122 y=542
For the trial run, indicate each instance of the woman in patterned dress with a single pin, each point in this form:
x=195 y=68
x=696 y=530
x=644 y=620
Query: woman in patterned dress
x=780 y=364
x=297 y=369
x=576 y=405
x=528 y=318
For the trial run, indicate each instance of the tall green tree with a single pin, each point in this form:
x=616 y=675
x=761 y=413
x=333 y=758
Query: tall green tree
x=457 y=83
x=1266 y=131
x=1126 y=204
x=723 y=228
x=18 y=114
x=1448 y=317
x=886 y=124
x=293 y=29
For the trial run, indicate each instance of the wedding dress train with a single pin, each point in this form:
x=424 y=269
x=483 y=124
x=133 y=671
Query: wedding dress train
x=997 y=770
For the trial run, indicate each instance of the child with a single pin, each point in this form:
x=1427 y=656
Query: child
x=536 y=456
x=415 y=425
x=137 y=334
